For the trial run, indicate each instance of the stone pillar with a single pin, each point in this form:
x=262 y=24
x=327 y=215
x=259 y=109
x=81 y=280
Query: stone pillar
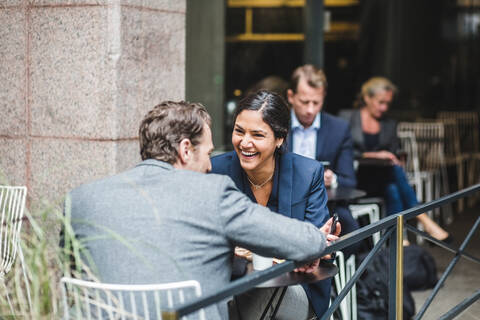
x=76 y=77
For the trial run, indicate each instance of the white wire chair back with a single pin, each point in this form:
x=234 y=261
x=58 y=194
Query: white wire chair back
x=468 y=132
x=346 y=269
x=430 y=143
x=408 y=143
x=430 y=139
x=93 y=300
x=467 y=123
x=453 y=153
x=421 y=180
x=12 y=206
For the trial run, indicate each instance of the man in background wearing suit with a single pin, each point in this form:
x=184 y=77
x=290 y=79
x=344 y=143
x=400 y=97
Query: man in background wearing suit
x=165 y=220
x=321 y=136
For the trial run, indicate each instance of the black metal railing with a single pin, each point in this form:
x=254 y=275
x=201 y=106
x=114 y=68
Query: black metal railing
x=392 y=227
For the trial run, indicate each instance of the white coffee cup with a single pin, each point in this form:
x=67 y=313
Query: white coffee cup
x=261 y=262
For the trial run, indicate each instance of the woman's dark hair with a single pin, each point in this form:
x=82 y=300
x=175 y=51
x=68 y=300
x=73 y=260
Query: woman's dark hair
x=274 y=109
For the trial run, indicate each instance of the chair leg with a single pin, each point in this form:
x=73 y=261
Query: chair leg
x=461 y=202
x=472 y=179
x=22 y=260
x=470 y=176
x=350 y=266
x=447 y=215
x=420 y=239
x=437 y=192
x=340 y=281
x=375 y=216
x=8 y=296
x=429 y=189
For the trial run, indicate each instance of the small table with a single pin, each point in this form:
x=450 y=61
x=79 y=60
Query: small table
x=374 y=162
x=325 y=270
x=344 y=194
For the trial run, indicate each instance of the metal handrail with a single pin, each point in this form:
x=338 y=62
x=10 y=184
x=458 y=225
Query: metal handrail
x=391 y=224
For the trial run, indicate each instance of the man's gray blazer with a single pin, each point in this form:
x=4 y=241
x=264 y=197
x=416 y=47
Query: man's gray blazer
x=161 y=224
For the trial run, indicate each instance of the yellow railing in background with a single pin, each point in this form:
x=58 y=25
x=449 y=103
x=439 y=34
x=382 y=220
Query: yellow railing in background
x=337 y=30
x=286 y=3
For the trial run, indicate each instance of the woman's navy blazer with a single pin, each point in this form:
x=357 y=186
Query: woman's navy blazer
x=301 y=191
x=301 y=195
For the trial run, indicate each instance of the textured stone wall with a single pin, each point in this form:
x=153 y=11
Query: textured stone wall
x=76 y=77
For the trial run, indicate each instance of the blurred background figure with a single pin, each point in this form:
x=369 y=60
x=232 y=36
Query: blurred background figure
x=271 y=83
x=375 y=136
x=318 y=135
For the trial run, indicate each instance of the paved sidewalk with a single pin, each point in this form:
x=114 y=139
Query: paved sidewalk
x=465 y=277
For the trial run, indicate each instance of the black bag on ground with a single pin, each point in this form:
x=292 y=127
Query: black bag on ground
x=372 y=291
x=419 y=268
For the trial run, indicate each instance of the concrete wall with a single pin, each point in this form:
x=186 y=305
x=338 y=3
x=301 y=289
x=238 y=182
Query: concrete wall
x=76 y=77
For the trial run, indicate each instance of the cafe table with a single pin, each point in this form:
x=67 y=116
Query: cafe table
x=374 y=162
x=346 y=194
x=342 y=195
x=281 y=283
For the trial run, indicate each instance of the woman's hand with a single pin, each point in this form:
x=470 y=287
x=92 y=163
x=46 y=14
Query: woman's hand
x=309 y=267
x=326 y=229
x=243 y=253
x=328 y=177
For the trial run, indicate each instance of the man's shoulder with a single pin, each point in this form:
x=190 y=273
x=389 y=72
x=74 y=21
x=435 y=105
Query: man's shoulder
x=146 y=177
x=201 y=178
x=335 y=120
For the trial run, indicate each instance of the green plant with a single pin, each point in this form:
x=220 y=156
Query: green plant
x=46 y=261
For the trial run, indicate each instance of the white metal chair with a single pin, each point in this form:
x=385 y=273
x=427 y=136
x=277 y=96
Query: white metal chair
x=12 y=206
x=468 y=131
x=346 y=269
x=349 y=272
x=422 y=181
x=93 y=300
x=430 y=138
x=453 y=154
x=371 y=210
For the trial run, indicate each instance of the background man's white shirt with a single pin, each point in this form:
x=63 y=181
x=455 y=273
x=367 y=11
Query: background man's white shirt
x=305 y=139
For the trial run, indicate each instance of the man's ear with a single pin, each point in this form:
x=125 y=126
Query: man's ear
x=184 y=151
x=290 y=95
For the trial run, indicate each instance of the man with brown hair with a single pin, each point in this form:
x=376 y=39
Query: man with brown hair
x=317 y=134
x=165 y=220
x=321 y=136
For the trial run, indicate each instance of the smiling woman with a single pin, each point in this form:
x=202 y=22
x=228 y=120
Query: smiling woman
x=255 y=145
x=256 y=140
x=287 y=183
